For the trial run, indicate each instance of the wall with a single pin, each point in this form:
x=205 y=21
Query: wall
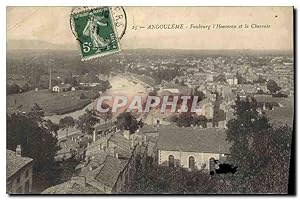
x=182 y=158
x=13 y=185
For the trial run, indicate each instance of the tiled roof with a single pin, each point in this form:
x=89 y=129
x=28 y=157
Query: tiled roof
x=110 y=171
x=72 y=188
x=15 y=163
x=104 y=168
x=148 y=129
x=193 y=139
x=281 y=116
x=269 y=98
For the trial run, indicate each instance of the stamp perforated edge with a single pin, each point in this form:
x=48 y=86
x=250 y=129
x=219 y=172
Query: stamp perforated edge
x=98 y=55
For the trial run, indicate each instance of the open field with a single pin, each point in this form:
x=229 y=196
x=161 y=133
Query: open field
x=52 y=103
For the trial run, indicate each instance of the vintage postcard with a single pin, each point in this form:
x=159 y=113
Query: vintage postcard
x=150 y=100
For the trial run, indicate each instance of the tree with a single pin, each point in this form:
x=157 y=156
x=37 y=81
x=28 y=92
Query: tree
x=52 y=127
x=200 y=94
x=184 y=120
x=126 y=121
x=260 y=151
x=201 y=121
x=167 y=74
x=158 y=180
x=66 y=123
x=37 y=109
x=35 y=138
x=69 y=79
x=24 y=87
x=86 y=122
x=220 y=78
x=272 y=86
x=260 y=79
x=241 y=79
x=37 y=113
x=34 y=75
x=187 y=119
x=106 y=116
x=273 y=148
x=12 y=89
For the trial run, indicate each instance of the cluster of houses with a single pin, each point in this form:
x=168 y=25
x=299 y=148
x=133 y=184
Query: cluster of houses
x=83 y=81
x=63 y=88
x=110 y=158
x=217 y=106
x=109 y=163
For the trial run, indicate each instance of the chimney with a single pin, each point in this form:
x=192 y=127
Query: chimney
x=145 y=138
x=50 y=78
x=80 y=180
x=117 y=155
x=72 y=138
x=19 y=150
x=94 y=136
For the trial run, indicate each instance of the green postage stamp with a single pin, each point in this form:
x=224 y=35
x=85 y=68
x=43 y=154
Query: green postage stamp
x=95 y=32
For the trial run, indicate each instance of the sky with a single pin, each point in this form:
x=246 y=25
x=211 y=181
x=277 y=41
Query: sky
x=52 y=24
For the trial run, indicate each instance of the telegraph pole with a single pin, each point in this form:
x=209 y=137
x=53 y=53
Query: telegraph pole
x=50 y=76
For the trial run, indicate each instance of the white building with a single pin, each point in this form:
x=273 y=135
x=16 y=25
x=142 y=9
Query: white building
x=192 y=148
x=56 y=88
x=62 y=88
x=232 y=80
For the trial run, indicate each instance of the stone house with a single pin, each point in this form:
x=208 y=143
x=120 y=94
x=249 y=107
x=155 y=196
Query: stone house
x=18 y=172
x=108 y=165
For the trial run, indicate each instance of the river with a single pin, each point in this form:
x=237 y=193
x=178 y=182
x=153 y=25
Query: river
x=121 y=85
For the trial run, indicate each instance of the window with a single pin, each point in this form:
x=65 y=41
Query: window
x=18 y=180
x=171 y=161
x=27 y=173
x=191 y=162
x=27 y=187
x=212 y=167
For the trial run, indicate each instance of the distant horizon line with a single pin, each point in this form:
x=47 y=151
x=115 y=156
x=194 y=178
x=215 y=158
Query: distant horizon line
x=70 y=49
